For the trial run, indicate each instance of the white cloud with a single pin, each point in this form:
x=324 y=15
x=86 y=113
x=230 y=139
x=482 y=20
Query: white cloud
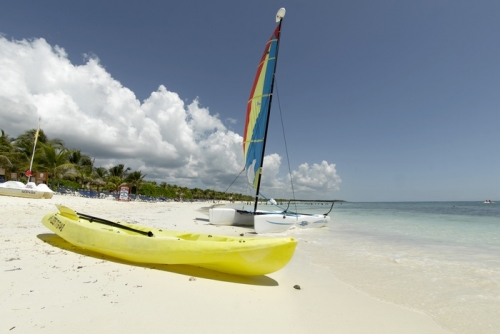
x=270 y=172
x=311 y=179
x=163 y=137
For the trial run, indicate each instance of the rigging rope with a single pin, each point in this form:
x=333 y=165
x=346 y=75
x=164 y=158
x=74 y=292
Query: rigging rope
x=284 y=138
x=234 y=180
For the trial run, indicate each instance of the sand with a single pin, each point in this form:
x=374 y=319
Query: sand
x=50 y=286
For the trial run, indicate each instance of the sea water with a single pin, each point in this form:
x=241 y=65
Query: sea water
x=439 y=258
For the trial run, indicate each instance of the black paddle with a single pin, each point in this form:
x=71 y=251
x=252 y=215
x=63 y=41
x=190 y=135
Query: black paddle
x=110 y=223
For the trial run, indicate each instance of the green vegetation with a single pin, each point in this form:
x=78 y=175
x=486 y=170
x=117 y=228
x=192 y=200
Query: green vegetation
x=73 y=169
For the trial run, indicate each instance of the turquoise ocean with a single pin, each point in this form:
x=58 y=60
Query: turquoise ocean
x=439 y=258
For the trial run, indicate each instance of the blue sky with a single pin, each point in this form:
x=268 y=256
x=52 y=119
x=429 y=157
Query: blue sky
x=399 y=98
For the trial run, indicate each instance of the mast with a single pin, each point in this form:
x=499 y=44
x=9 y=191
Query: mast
x=34 y=148
x=279 y=18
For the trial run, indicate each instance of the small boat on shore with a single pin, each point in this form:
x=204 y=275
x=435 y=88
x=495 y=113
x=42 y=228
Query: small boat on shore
x=29 y=190
x=136 y=243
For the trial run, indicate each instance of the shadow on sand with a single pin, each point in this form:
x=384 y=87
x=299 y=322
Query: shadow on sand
x=56 y=241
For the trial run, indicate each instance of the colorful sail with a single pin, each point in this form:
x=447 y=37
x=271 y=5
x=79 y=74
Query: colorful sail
x=258 y=107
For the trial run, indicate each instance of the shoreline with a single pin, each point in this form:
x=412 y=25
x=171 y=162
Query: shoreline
x=50 y=285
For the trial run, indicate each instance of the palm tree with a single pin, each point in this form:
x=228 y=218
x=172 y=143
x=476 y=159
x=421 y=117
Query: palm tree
x=99 y=175
x=135 y=180
x=83 y=165
x=24 y=142
x=76 y=157
x=54 y=159
x=23 y=148
x=5 y=141
x=4 y=161
x=117 y=175
x=113 y=183
x=119 y=171
x=209 y=194
x=6 y=150
x=186 y=193
x=169 y=190
x=197 y=193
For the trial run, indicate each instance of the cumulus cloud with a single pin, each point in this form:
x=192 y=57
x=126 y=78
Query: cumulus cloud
x=322 y=177
x=163 y=136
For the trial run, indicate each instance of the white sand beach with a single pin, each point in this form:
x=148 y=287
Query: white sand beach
x=49 y=286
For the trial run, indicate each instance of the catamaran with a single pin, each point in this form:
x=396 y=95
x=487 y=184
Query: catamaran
x=254 y=143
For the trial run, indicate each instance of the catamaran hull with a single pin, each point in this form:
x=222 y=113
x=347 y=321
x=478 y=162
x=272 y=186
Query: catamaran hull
x=233 y=217
x=228 y=216
x=265 y=221
x=275 y=223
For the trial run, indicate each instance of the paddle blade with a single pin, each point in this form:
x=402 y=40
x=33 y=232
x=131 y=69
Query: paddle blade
x=67 y=212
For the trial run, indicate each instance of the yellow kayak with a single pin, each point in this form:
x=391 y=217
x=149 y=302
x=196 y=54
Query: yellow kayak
x=135 y=243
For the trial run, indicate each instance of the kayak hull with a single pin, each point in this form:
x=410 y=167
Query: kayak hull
x=234 y=255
